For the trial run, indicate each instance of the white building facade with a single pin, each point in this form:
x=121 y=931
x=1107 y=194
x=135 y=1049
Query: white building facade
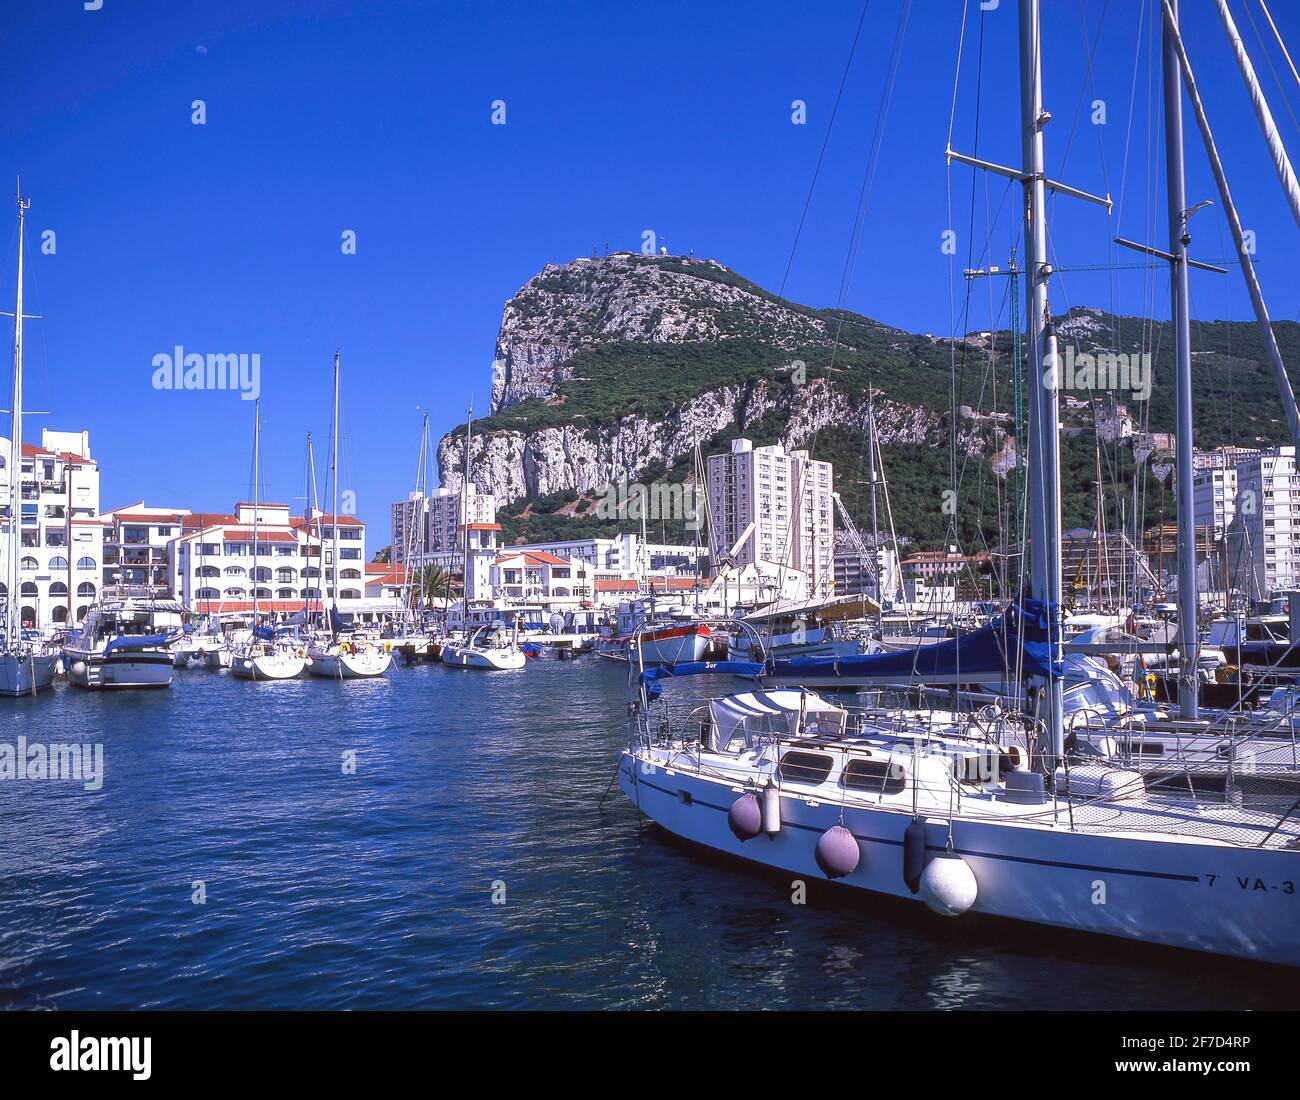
x=1264 y=535
x=788 y=499
x=56 y=506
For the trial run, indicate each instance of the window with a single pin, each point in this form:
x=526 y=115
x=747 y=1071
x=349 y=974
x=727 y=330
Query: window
x=350 y=574
x=58 y=590
x=805 y=767
x=285 y=594
x=29 y=563
x=86 y=563
x=85 y=588
x=28 y=589
x=207 y=571
x=235 y=593
x=876 y=776
x=58 y=562
x=349 y=594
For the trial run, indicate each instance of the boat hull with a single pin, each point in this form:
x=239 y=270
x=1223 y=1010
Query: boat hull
x=267 y=667
x=137 y=668
x=26 y=675
x=1202 y=896
x=488 y=660
x=365 y=665
x=672 y=645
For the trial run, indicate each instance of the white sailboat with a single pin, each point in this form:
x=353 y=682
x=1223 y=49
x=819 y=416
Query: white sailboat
x=491 y=648
x=950 y=810
x=341 y=655
x=261 y=657
x=26 y=666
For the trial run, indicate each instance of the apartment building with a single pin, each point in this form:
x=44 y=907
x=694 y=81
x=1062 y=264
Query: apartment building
x=432 y=524
x=1264 y=535
x=261 y=551
x=788 y=499
x=56 y=504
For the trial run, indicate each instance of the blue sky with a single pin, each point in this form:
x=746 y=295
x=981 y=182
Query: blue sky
x=671 y=116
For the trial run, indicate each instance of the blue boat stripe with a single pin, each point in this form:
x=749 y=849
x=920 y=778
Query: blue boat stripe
x=959 y=851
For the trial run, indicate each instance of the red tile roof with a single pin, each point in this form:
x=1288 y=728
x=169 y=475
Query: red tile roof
x=534 y=557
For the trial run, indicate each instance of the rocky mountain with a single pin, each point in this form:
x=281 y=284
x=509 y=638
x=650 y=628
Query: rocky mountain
x=616 y=367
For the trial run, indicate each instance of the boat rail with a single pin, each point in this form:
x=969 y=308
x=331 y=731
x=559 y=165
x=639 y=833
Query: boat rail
x=1221 y=801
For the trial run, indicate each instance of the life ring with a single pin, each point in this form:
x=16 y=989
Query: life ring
x=300 y=652
x=345 y=648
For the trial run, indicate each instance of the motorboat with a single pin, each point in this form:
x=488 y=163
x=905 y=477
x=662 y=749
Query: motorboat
x=126 y=640
x=490 y=648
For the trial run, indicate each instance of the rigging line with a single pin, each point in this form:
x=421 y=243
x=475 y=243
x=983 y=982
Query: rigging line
x=956 y=75
x=1089 y=53
x=1128 y=131
x=853 y=49
x=1271 y=67
x=1281 y=45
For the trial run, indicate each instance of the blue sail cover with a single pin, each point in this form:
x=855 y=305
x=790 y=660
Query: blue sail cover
x=266 y=633
x=992 y=649
x=139 y=641
x=695 y=668
x=336 y=621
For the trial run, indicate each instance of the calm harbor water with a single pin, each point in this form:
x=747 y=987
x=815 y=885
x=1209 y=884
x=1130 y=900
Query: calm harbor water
x=375 y=890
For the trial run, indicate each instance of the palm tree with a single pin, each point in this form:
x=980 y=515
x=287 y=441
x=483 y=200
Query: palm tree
x=433 y=582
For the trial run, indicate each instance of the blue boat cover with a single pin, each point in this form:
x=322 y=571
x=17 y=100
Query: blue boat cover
x=138 y=641
x=993 y=648
x=267 y=633
x=695 y=668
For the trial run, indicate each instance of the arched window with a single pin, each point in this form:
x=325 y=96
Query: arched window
x=261 y=574
x=58 y=562
x=236 y=593
x=29 y=562
x=310 y=571
x=350 y=574
x=234 y=571
x=28 y=616
x=28 y=589
x=85 y=588
x=311 y=593
x=285 y=576
x=349 y=594
x=58 y=589
x=86 y=563
x=207 y=571
x=60 y=614
x=81 y=612
x=4 y=590
x=284 y=594
x=208 y=594
x=262 y=593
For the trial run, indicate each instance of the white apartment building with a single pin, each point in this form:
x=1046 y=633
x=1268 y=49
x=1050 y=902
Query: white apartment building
x=137 y=540
x=213 y=567
x=56 y=507
x=788 y=499
x=433 y=524
x=1264 y=535
x=1215 y=498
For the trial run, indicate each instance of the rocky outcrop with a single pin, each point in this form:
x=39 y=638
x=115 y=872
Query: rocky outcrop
x=629 y=297
x=515 y=464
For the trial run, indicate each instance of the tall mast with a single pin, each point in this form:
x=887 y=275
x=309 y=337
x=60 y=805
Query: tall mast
x=464 y=519
x=257 y=477
x=334 y=478
x=16 y=450
x=875 y=523
x=1178 y=241
x=1044 y=413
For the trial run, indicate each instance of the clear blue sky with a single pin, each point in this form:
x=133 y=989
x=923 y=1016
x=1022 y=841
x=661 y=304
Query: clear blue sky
x=671 y=116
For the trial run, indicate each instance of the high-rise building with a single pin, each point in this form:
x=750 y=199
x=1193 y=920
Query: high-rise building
x=435 y=523
x=787 y=497
x=57 y=508
x=1264 y=534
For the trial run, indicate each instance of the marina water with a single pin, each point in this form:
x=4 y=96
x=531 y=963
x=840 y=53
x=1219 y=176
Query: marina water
x=327 y=890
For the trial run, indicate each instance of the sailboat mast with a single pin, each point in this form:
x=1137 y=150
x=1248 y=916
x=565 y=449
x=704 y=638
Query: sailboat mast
x=334 y=478
x=1044 y=412
x=1188 y=639
x=257 y=515
x=875 y=522
x=464 y=519
x=14 y=624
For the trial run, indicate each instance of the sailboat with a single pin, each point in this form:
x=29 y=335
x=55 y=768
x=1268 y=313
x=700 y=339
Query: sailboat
x=260 y=657
x=491 y=648
x=341 y=655
x=26 y=666
x=978 y=812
